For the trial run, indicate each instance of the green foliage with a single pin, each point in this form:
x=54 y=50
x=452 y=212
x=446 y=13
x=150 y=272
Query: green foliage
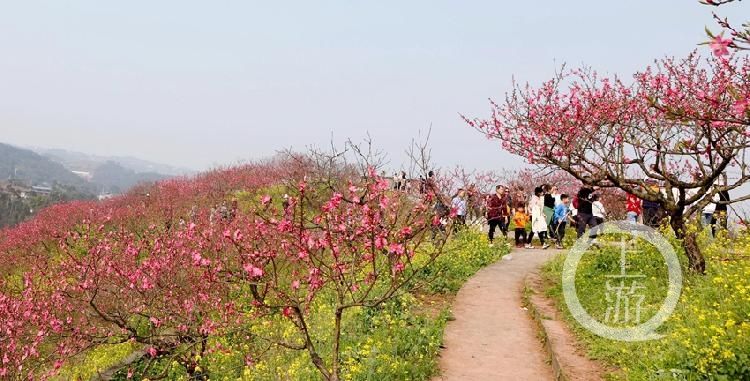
x=461 y=258
x=15 y=209
x=95 y=360
x=396 y=340
x=390 y=342
x=708 y=336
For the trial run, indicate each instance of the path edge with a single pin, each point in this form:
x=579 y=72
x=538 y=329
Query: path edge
x=534 y=311
x=563 y=348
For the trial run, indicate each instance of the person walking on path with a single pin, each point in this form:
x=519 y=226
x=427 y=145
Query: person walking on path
x=538 y=221
x=720 y=216
x=549 y=207
x=652 y=215
x=585 y=215
x=430 y=185
x=557 y=196
x=473 y=204
x=520 y=219
x=498 y=212
x=633 y=207
x=708 y=212
x=519 y=199
x=597 y=209
x=458 y=207
x=560 y=220
x=400 y=181
x=442 y=213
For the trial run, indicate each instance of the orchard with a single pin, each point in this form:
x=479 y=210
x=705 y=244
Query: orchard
x=160 y=270
x=317 y=266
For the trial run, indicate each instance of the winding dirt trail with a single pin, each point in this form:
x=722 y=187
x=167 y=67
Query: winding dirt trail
x=493 y=337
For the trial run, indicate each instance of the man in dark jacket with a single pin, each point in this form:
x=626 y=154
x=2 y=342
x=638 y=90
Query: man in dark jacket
x=720 y=216
x=498 y=212
x=585 y=216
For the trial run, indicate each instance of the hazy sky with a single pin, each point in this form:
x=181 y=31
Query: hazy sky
x=201 y=83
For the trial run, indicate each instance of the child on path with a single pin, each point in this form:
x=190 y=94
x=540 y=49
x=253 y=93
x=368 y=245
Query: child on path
x=560 y=220
x=520 y=219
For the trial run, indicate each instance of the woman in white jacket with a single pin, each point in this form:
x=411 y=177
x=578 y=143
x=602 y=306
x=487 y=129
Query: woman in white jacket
x=597 y=209
x=538 y=222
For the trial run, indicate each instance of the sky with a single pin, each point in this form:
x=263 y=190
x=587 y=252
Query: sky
x=199 y=84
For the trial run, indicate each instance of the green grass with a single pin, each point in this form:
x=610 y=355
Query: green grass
x=708 y=336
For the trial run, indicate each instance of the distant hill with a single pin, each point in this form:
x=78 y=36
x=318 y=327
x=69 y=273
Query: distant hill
x=23 y=164
x=95 y=174
x=22 y=169
x=114 y=178
x=78 y=161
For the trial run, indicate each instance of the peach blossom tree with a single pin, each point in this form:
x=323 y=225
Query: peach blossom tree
x=681 y=123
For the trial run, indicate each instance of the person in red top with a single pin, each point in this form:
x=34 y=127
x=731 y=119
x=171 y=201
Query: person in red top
x=498 y=212
x=634 y=207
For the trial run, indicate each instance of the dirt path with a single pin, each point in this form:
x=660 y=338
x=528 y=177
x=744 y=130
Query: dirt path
x=493 y=337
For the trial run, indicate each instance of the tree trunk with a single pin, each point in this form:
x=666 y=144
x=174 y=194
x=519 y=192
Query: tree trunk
x=336 y=370
x=696 y=261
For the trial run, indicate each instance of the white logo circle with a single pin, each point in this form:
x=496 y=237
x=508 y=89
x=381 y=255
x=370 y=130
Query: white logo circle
x=641 y=332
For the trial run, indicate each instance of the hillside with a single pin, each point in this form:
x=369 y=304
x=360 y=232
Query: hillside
x=79 y=161
x=115 y=178
x=35 y=169
x=21 y=169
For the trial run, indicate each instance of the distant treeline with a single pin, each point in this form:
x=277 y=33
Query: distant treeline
x=15 y=209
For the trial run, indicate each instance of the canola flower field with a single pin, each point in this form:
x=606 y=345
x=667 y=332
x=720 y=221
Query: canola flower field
x=708 y=335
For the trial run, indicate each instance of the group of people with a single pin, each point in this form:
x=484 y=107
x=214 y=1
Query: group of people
x=401 y=182
x=223 y=211
x=651 y=213
x=548 y=211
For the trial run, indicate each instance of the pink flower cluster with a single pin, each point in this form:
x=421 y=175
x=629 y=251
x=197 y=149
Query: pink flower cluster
x=85 y=273
x=676 y=114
